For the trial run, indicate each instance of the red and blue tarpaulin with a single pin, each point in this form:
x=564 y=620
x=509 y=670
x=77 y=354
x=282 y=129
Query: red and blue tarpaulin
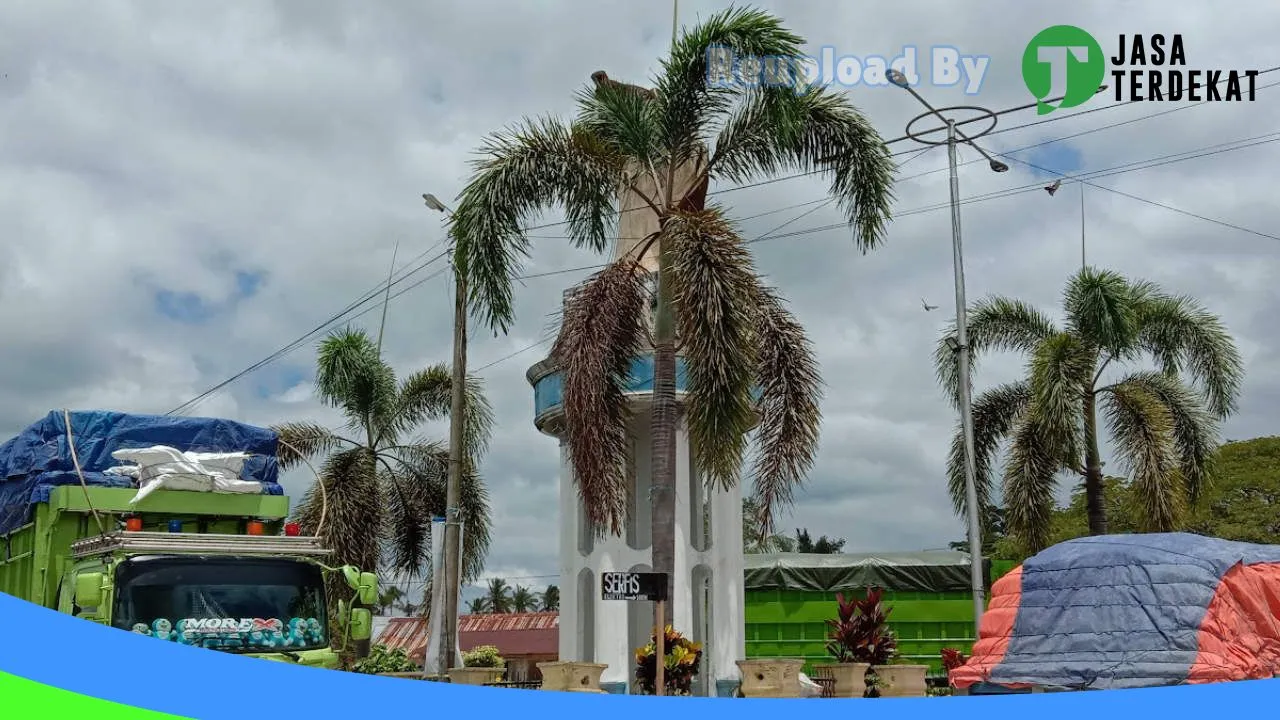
x=1124 y=611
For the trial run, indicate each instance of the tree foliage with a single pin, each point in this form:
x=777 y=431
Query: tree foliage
x=379 y=486
x=712 y=305
x=1085 y=378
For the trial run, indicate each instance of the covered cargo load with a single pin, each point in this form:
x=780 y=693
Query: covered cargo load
x=40 y=457
x=927 y=571
x=1128 y=611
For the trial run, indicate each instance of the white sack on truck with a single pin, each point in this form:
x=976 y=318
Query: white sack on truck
x=161 y=466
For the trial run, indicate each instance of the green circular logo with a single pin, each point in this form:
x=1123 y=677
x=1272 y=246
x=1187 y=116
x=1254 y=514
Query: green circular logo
x=1063 y=62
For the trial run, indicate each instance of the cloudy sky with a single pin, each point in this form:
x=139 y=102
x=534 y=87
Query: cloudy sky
x=187 y=188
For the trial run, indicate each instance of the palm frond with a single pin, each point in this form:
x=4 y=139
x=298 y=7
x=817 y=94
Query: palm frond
x=427 y=395
x=601 y=335
x=1195 y=430
x=351 y=375
x=624 y=121
x=408 y=521
x=1142 y=428
x=1100 y=306
x=427 y=464
x=302 y=440
x=994 y=324
x=688 y=103
x=1029 y=481
x=715 y=291
x=523 y=171
x=1061 y=371
x=790 y=417
x=813 y=129
x=352 y=505
x=995 y=413
x=1183 y=336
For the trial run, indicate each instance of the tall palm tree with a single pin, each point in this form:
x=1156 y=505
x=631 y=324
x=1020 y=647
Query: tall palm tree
x=550 y=599
x=523 y=600
x=478 y=606
x=380 y=486
x=712 y=306
x=1163 y=424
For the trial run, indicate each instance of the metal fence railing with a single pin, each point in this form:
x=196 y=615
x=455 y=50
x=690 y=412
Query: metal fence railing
x=519 y=684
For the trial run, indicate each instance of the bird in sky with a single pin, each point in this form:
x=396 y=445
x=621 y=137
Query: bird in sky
x=1051 y=189
x=927 y=306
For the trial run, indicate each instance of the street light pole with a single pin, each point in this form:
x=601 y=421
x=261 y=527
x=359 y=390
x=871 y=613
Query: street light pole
x=966 y=406
x=960 y=346
x=453 y=484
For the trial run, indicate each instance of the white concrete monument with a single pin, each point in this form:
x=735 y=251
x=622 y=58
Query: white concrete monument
x=707 y=605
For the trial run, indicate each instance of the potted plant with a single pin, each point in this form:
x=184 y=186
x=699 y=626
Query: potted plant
x=680 y=666
x=480 y=665
x=847 y=644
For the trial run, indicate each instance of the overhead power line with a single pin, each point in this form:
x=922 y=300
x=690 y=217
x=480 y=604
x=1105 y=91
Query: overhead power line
x=820 y=202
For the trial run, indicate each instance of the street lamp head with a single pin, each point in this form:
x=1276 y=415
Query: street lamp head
x=998 y=166
x=897 y=78
x=433 y=203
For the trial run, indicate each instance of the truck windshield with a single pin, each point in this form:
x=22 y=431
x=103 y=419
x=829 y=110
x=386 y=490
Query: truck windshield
x=230 y=604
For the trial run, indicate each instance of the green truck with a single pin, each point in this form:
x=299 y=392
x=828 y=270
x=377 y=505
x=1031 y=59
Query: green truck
x=790 y=596
x=219 y=570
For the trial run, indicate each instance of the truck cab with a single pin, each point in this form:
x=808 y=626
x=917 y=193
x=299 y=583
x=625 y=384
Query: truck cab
x=262 y=596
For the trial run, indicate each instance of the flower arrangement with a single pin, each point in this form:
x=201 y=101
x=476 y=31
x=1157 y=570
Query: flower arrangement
x=483 y=656
x=682 y=662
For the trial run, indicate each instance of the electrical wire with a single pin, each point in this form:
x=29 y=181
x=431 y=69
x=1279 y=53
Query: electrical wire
x=821 y=202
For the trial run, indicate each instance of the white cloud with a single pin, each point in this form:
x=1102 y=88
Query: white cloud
x=169 y=148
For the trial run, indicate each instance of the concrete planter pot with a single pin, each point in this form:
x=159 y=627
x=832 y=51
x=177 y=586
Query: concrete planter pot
x=572 y=676
x=474 y=675
x=902 y=680
x=850 y=678
x=770 y=678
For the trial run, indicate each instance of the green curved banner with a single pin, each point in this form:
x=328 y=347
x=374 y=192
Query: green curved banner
x=28 y=699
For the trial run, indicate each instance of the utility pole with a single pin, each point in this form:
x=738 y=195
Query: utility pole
x=457 y=409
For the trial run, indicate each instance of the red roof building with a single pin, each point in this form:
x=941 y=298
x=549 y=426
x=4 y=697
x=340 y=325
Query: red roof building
x=523 y=639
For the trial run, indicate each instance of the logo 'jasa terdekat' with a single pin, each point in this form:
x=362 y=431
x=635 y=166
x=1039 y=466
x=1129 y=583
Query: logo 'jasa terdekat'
x=1153 y=67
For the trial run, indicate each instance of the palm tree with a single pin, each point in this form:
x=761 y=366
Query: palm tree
x=478 y=606
x=523 y=600
x=1164 y=428
x=550 y=599
x=499 y=596
x=712 y=307
x=380 y=488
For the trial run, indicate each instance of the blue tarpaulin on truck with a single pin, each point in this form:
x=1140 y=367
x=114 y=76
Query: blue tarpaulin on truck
x=39 y=458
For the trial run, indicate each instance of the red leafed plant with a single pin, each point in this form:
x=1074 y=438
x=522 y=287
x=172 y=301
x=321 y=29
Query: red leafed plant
x=952 y=659
x=860 y=632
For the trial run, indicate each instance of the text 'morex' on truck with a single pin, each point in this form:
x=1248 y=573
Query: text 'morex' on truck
x=171 y=527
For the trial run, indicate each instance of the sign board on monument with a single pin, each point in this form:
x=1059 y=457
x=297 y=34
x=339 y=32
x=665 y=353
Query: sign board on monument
x=633 y=586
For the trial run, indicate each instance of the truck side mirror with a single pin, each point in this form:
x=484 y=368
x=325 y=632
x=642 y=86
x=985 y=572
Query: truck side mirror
x=89 y=590
x=361 y=624
x=367 y=592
